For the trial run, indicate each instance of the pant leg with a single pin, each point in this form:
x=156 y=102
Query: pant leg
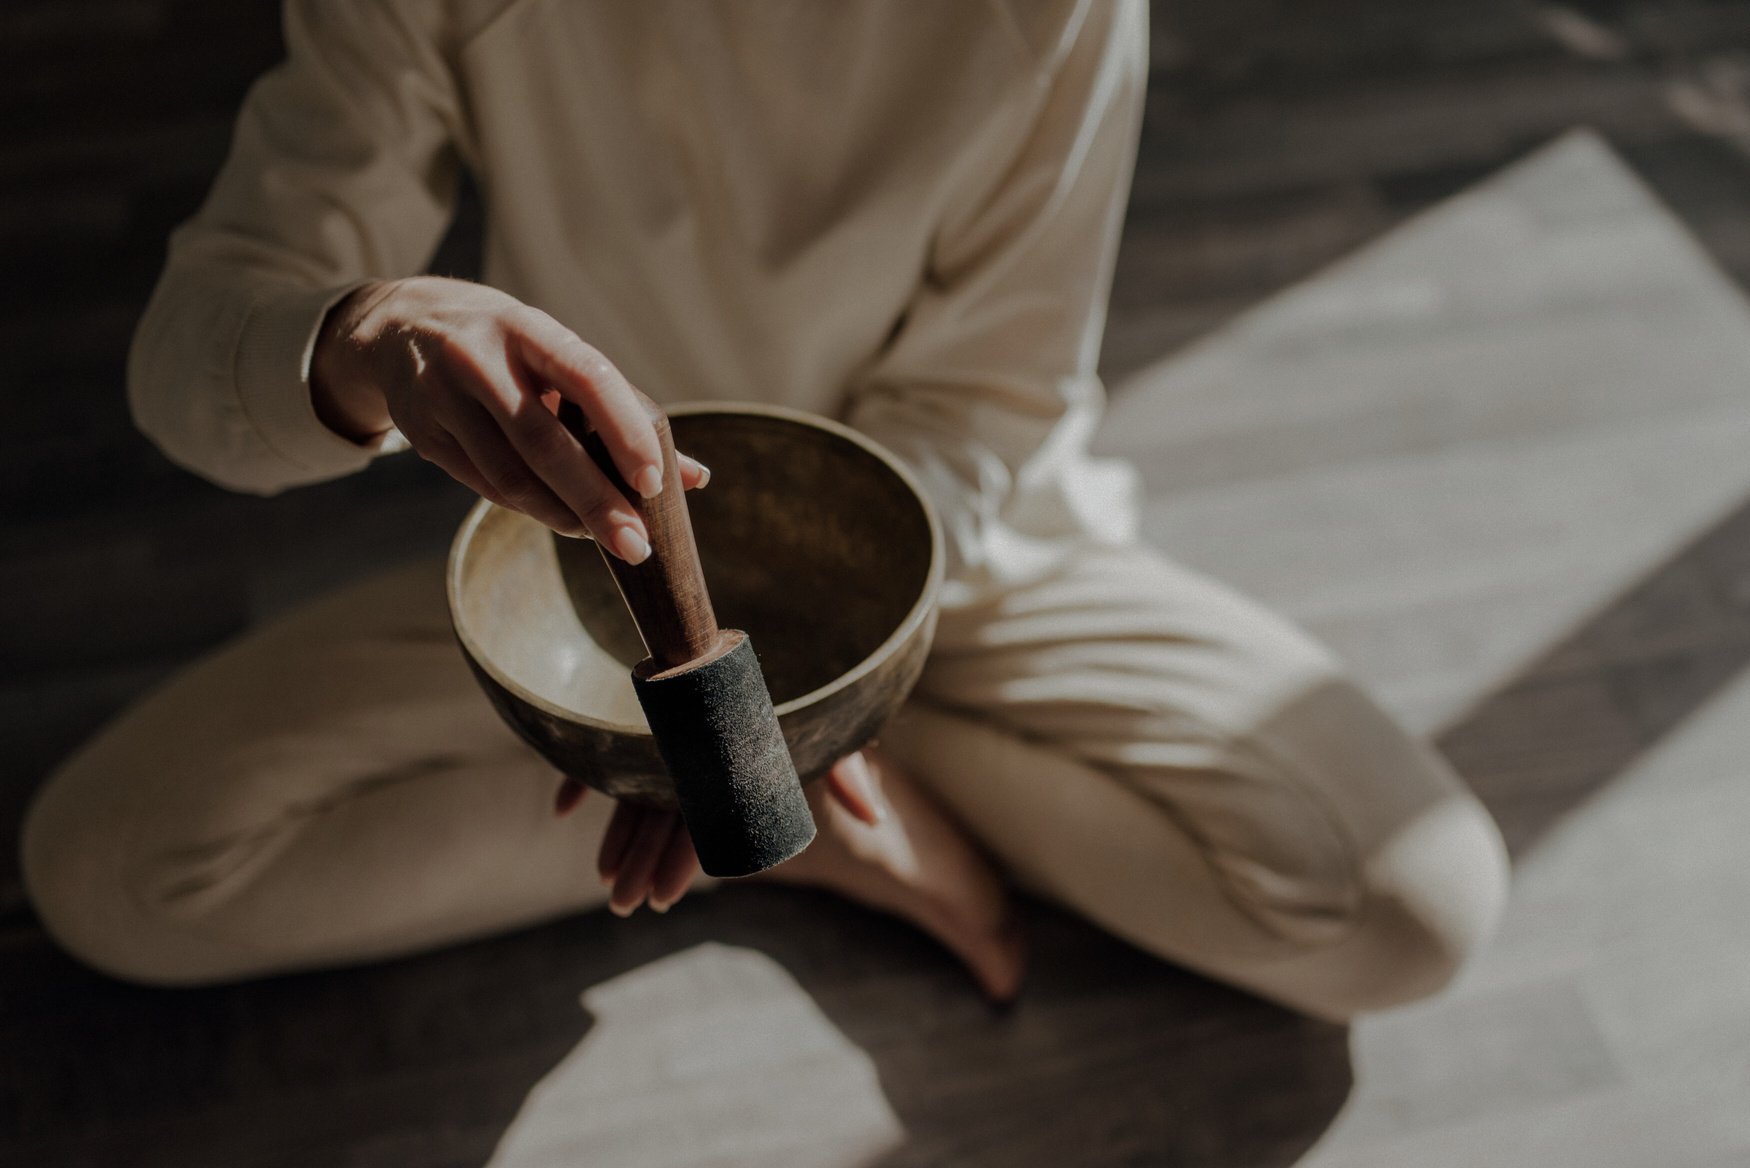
x=331 y=788
x=1133 y=740
x=1195 y=774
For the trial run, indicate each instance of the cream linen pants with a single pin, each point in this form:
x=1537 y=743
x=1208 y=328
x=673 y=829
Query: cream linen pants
x=1127 y=738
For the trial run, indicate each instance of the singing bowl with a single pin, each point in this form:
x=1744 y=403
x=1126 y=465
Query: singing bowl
x=815 y=541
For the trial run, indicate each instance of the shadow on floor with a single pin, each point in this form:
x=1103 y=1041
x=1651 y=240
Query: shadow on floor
x=1110 y=1058
x=1576 y=716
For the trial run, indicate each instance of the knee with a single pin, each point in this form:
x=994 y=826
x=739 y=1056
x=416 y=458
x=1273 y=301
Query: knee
x=61 y=865
x=1432 y=897
x=1424 y=872
x=72 y=858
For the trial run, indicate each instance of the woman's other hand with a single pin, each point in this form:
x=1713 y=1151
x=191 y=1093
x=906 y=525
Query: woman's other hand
x=647 y=855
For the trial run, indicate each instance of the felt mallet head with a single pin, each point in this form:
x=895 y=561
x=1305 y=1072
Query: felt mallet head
x=738 y=790
x=701 y=687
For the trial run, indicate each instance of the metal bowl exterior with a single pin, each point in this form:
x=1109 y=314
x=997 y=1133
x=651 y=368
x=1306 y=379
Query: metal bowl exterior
x=819 y=727
x=628 y=766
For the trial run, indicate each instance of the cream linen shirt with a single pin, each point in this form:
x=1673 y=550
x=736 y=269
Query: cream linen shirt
x=899 y=213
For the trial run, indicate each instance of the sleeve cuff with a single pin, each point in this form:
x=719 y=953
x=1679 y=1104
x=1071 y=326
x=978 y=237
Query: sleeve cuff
x=273 y=384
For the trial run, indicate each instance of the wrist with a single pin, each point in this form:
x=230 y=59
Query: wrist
x=346 y=396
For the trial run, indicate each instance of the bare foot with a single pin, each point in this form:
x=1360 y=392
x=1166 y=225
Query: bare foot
x=912 y=861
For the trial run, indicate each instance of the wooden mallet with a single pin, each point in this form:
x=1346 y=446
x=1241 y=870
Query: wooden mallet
x=701 y=687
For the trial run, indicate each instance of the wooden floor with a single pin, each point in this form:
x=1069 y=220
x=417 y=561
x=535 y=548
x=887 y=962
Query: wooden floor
x=1496 y=459
x=1399 y=351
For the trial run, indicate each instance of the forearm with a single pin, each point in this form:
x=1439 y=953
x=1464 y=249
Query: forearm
x=989 y=390
x=342 y=171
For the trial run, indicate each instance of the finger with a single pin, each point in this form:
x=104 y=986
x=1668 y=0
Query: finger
x=621 y=828
x=442 y=451
x=853 y=784
x=571 y=793
x=642 y=856
x=558 y=458
x=558 y=357
x=477 y=433
x=675 y=871
x=694 y=474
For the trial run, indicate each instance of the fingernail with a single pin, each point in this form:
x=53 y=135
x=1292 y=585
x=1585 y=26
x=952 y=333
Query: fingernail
x=660 y=906
x=632 y=547
x=621 y=911
x=648 y=480
x=704 y=471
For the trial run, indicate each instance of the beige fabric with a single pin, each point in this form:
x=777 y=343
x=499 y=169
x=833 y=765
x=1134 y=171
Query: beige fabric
x=1127 y=738
x=901 y=213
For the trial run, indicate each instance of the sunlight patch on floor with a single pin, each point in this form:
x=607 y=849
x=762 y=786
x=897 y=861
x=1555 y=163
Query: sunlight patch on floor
x=1447 y=450
x=712 y=1056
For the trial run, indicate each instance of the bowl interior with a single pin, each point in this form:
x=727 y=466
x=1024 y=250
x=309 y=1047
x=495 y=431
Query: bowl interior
x=810 y=542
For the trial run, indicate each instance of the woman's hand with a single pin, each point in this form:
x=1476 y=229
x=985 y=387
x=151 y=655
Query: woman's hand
x=471 y=377
x=646 y=854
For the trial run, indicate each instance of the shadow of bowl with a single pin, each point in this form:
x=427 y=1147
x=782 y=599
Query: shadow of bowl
x=815 y=541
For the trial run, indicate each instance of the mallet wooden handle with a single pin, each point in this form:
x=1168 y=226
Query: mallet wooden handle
x=666 y=593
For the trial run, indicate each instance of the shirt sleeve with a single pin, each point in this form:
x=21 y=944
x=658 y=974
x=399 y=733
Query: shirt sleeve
x=343 y=168
x=988 y=389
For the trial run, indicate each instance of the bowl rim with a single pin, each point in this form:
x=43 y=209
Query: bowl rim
x=920 y=611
